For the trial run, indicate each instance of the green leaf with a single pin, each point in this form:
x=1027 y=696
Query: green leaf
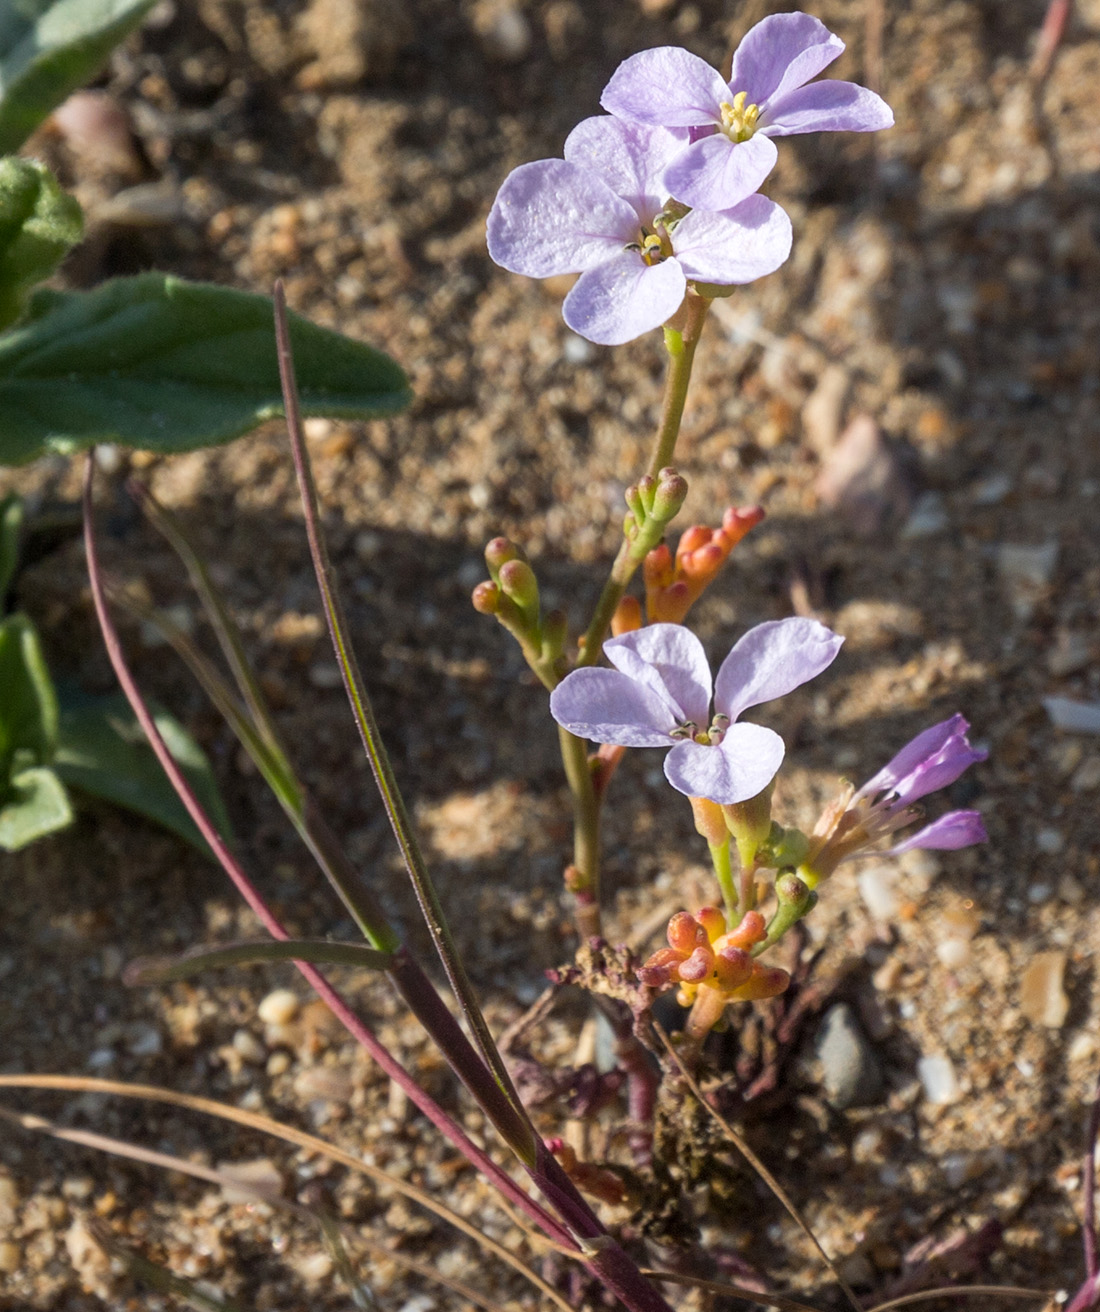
x=11 y=527
x=34 y=805
x=39 y=224
x=28 y=703
x=166 y=365
x=50 y=48
x=101 y=750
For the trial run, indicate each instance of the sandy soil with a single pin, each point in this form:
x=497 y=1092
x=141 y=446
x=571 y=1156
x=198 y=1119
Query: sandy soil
x=914 y=400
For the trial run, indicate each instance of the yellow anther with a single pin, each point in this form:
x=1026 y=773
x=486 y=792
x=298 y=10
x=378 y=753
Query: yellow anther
x=738 y=119
x=653 y=251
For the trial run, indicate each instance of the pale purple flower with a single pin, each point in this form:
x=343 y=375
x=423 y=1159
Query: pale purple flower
x=659 y=695
x=732 y=124
x=859 y=818
x=601 y=212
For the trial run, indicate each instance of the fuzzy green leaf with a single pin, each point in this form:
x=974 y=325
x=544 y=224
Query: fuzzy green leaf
x=11 y=528
x=165 y=365
x=102 y=750
x=39 y=224
x=28 y=703
x=34 y=805
x=50 y=48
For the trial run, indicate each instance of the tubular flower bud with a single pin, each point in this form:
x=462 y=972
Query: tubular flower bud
x=712 y=967
x=855 y=820
x=672 y=587
x=499 y=552
x=627 y=617
x=486 y=598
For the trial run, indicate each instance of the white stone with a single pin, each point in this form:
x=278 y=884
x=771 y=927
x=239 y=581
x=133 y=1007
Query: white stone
x=878 y=888
x=279 y=1007
x=938 y=1079
x=1074 y=717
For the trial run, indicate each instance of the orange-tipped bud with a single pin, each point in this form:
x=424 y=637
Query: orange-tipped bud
x=486 y=598
x=627 y=617
x=713 y=922
x=710 y=822
x=499 y=552
x=671 y=589
x=765 y=982
x=685 y=933
x=752 y=929
x=697 y=967
x=732 y=968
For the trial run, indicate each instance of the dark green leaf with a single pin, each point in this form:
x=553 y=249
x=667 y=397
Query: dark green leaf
x=11 y=527
x=28 y=703
x=102 y=750
x=49 y=48
x=34 y=805
x=39 y=225
x=320 y=951
x=165 y=365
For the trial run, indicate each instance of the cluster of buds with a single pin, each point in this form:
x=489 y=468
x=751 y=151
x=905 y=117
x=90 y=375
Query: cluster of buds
x=654 y=503
x=511 y=593
x=713 y=967
x=673 y=585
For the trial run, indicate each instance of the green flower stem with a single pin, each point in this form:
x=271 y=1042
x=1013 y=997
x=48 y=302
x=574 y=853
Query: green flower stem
x=584 y=877
x=681 y=344
x=720 y=856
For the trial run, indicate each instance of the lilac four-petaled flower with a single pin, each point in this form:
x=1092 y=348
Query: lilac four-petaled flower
x=732 y=124
x=659 y=695
x=600 y=212
x=932 y=760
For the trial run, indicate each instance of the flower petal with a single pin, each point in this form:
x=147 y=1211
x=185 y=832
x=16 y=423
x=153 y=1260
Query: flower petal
x=605 y=706
x=630 y=157
x=942 y=742
x=827 y=107
x=670 y=660
x=551 y=217
x=742 y=765
x=780 y=53
x=735 y=246
x=772 y=660
x=716 y=174
x=667 y=88
x=951 y=831
x=624 y=297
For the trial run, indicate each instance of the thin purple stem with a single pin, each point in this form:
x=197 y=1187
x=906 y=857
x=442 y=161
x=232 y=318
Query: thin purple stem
x=438 y=1117
x=1088 y=1176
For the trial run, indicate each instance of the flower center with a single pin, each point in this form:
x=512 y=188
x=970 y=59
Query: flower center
x=738 y=119
x=653 y=246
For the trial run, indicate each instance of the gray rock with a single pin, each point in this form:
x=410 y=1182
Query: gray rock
x=851 y=1070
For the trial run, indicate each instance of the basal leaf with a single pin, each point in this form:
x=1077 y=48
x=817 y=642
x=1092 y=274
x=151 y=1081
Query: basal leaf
x=49 y=48
x=165 y=365
x=33 y=805
x=39 y=224
x=28 y=703
x=11 y=527
x=101 y=750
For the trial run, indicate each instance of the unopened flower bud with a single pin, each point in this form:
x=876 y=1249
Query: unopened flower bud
x=736 y=522
x=671 y=491
x=732 y=967
x=792 y=892
x=647 y=487
x=486 y=598
x=685 y=933
x=627 y=617
x=517 y=580
x=637 y=505
x=657 y=568
x=709 y=820
x=499 y=552
x=750 y=823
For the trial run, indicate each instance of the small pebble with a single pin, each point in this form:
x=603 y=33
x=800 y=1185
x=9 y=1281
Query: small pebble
x=144 y=1041
x=1037 y=894
x=1087 y=776
x=576 y=350
x=328 y=1082
x=279 y=1007
x=278 y=1063
x=1070 y=653
x=1042 y=992
x=1050 y=841
x=1026 y=572
x=878 y=888
x=1074 y=717
x=938 y=1079
x=314 y=1267
x=953 y=952
x=325 y=674
x=929 y=517
x=851 y=1070
x=257 y=1177
x=249 y=1047
x=10 y=1257
x=991 y=491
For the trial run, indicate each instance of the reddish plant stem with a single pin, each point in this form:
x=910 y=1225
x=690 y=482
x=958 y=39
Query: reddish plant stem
x=266 y=916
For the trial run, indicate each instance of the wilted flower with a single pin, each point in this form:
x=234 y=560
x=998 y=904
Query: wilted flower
x=659 y=695
x=712 y=967
x=857 y=819
x=732 y=124
x=603 y=212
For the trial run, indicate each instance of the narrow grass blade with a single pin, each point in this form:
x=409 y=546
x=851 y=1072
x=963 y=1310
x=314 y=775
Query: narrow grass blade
x=322 y=952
